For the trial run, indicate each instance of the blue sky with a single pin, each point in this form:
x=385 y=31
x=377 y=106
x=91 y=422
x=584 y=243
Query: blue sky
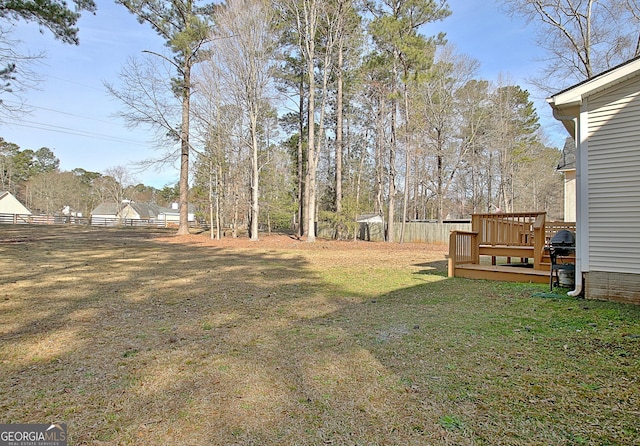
x=72 y=113
x=74 y=116
x=483 y=31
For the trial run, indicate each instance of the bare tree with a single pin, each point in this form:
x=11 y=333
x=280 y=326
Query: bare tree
x=242 y=50
x=116 y=180
x=473 y=105
x=17 y=74
x=438 y=121
x=50 y=191
x=184 y=26
x=211 y=125
x=632 y=7
x=306 y=16
x=581 y=38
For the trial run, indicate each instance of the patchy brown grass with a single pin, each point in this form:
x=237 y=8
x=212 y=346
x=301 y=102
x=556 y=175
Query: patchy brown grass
x=135 y=336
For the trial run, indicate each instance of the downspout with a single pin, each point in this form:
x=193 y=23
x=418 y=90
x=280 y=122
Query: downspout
x=578 y=285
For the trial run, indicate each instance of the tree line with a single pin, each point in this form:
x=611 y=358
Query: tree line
x=299 y=111
x=34 y=177
x=323 y=110
x=285 y=113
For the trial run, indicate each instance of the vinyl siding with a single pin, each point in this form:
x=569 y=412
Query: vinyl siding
x=10 y=205
x=614 y=180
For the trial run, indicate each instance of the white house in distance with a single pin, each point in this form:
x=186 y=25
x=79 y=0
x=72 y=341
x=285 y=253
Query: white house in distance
x=115 y=213
x=10 y=205
x=602 y=115
x=172 y=214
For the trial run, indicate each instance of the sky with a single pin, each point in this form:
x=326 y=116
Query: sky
x=74 y=116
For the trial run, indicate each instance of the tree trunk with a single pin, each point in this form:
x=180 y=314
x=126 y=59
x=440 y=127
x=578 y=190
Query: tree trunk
x=379 y=162
x=392 y=174
x=392 y=182
x=407 y=164
x=311 y=157
x=218 y=210
x=211 y=210
x=234 y=231
x=339 y=105
x=255 y=206
x=183 y=227
x=301 y=167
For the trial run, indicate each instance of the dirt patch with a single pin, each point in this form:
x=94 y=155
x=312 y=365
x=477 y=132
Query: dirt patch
x=328 y=253
x=284 y=241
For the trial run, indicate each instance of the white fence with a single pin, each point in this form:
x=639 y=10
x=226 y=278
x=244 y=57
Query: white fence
x=27 y=219
x=19 y=219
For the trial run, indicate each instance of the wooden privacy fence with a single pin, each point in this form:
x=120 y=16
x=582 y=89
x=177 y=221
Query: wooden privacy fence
x=415 y=232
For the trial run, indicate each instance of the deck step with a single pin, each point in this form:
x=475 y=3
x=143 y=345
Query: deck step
x=503 y=273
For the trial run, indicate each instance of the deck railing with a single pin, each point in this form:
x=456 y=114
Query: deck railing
x=513 y=229
x=498 y=231
x=552 y=227
x=463 y=248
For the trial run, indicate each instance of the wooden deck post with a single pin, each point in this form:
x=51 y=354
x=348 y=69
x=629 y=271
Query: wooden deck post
x=452 y=254
x=539 y=241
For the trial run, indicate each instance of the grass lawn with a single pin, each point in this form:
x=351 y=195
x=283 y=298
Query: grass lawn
x=138 y=337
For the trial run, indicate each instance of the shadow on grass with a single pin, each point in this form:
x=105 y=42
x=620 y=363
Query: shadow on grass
x=111 y=331
x=134 y=341
x=437 y=268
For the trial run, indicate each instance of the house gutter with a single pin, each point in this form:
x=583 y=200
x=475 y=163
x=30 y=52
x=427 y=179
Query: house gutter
x=578 y=283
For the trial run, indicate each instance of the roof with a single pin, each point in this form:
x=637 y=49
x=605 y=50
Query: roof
x=106 y=209
x=169 y=211
x=146 y=210
x=369 y=218
x=566 y=103
x=568 y=160
x=574 y=95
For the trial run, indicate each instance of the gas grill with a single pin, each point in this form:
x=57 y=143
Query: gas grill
x=561 y=246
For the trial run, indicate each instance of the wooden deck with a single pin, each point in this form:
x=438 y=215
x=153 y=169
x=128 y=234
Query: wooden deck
x=505 y=273
x=507 y=247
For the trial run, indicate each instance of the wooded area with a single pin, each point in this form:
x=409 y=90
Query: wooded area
x=293 y=112
x=34 y=178
x=314 y=110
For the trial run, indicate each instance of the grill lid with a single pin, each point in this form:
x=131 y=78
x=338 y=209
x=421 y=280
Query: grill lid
x=563 y=237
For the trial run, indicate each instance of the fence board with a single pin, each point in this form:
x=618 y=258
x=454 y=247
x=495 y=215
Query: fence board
x=415 y=232
x=15 y=219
